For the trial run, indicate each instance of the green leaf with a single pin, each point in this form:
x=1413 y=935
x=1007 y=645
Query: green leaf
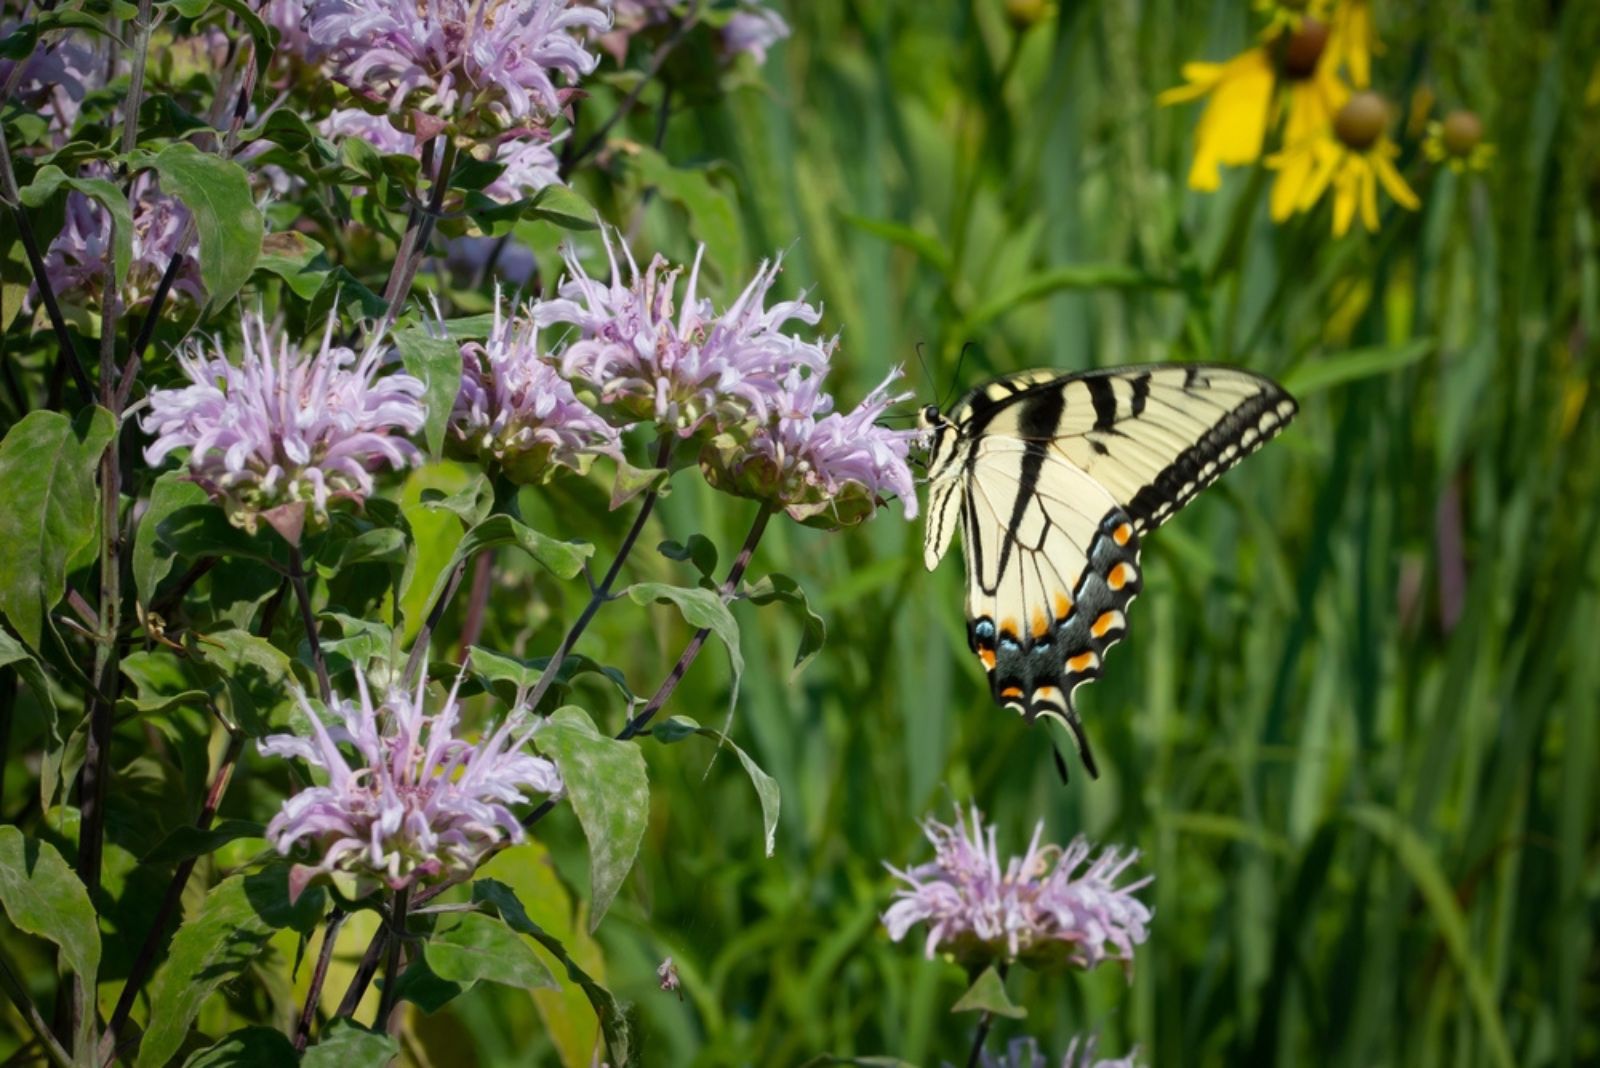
x=1423 y=867
x=563 y=558
x=927 y=246
x=249 y=1047
x=703 y=610
x=988 y=994
x=43 y=897
x=482 y=947
x=228 y=932
x=217 y=192
x=700 y=551
x=1078 y=276
x=47 y=484
x=16 y=656
x=613 y=1023
x=418 y=985
x=562 y=206
x=256 y=676
x=713 y=216
x=437 y=363
x=610 y=793
x=470 y=504
x=290 y=256
x=1354 y=365
x=782 y=589
x=160 y=683
x=346 y=1044
x=51 y=178
x=152 y=559
x=677 y=728
x=522 y=675
x=192 y=841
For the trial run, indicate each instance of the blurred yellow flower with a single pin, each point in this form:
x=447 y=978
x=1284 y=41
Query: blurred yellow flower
x=1353 y=40
x=1234 y=123
x=1286 y=14
x=1353 y=158
x=1458 y=143
x=1313 y=92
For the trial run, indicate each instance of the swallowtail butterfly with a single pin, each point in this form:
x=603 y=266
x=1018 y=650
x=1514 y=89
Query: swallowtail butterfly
x=1053 y=479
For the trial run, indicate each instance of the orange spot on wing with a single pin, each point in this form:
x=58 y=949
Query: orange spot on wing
x=1105 y=623
x=1008 y=629
x=1011 y=691
x=1120 y=576
x=1080 y=663
x=1041 y=625
x=1047 y=693
x=1063 y=606
x=1122 y=534
x=987 y=656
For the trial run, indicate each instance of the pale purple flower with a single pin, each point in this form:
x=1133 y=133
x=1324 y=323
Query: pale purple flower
x=1034 y=909
x=406 y=799
x=77 y=260
x=821 y=466
x=750 y=29
x=285 y=430
x=529 y=162
x=473 y=62
x=288 y=17
x=474 y=258
x=667 y=977
x=688 y=369
x=1082 y=1052
x=753 y=30
x=516 y=410
x=61 y=70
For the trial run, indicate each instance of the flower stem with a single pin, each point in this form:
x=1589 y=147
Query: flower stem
x=657 y=61
x=330 y=934
x=391 y=967
x=414 y=245
x=984 y=1023
x=297 y=577
x=30 y=1012
x=730 y=586
x=145 y=960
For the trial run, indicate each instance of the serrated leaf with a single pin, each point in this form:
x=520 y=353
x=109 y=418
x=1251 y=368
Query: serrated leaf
x=346 y=1044
x=610 y=792
x=703 y=610
x=192 y=841
x=436 y=362
x=229 y=931
x=217 y=193
x=988 y=994
x=782 y=589
x=249 y=1047
x=478 y=947
x=613 y=1022
x=43 y=897
x=106 y=193
x=47 y=484
x=677 y=728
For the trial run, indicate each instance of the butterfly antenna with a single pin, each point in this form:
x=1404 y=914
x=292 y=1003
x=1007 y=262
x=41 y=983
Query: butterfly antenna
x=955 y=383
x=927 y=376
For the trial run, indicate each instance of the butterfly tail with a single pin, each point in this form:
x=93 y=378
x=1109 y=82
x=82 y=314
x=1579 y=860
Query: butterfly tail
x=1081 y=740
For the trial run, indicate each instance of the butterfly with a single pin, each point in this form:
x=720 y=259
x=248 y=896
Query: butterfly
x=1053 y=479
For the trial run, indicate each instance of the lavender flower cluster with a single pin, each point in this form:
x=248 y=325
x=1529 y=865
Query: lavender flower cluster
x=79 y=259
x=412 y=800
x=1038 y=908
x=1082 y=1052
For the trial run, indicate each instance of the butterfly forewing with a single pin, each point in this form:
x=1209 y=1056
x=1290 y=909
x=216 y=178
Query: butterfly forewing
x=1053 y=478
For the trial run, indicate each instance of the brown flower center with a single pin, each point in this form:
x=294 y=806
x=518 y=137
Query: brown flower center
x=1463 y=132
x=1361 y=121
x=1303 y=48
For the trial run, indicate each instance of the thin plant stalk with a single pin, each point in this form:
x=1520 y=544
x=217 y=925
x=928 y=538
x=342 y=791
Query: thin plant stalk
x=308 y=618
x=391 y=967
x=985 y=1022
x=319 y=975
x=414 y=246
x=30 y=1012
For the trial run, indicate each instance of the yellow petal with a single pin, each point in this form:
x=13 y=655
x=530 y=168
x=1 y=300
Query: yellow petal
x=1294 y=171
x=1234 y=124
x=1395 y=185
x=1369 y=196
x=1344 y=205
x=1325 y=159
x=1201 y=78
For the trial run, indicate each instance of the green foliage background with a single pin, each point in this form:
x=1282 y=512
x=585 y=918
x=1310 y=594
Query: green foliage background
x=1353 y=728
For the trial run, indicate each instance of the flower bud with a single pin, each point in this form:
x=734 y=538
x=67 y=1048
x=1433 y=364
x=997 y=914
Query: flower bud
x=1361 y=121
x=1463 y=132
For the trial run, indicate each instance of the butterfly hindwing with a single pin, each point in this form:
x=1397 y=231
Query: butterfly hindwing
x=1053 y=479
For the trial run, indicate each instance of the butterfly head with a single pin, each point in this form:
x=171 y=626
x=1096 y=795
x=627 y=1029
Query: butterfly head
x=929 y=417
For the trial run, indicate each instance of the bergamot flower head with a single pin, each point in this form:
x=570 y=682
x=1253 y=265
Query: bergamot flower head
x=467 y=63
x=285 y=432
x=687 y=367
x=823 y=467
x=407 y=799
x=1038 y=909
x=515 y=409
x=1354 y=158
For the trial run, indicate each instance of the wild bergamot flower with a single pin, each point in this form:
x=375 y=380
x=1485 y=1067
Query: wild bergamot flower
x=284 y=432
x=1038 y=909
x=1458 y=142
x=1082 y=1052
x=473 y=63
x=515 y=409
x=406 y=798
x=824 y=468
x=1353 y=159
x=687 y=367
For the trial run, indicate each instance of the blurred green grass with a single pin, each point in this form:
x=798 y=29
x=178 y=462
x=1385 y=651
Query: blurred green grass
x=1353 y=727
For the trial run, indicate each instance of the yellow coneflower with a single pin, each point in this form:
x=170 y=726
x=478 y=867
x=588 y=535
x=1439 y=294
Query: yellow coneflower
x=1458 y=142
x=1352 y=159
x=1353 y=40
x=1286 y=14
x=1313 y=93
x=1233 y=125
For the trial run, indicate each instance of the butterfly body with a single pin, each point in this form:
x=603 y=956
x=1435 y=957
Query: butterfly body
x=1053 y=479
